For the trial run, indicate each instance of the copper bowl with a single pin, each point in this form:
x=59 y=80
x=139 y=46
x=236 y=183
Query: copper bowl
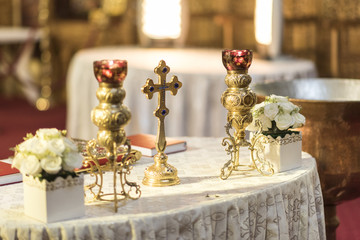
x=332 y=130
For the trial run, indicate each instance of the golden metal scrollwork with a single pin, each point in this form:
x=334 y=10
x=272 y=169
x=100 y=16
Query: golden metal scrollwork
x=96 y=164
x=257 y=149
x=239 y=99
x=111 y=151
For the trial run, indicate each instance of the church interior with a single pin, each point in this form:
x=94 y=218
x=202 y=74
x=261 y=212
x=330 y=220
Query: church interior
x=47 y=45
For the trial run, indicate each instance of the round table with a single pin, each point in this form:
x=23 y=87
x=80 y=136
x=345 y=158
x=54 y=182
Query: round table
x=287 y=205
x=195 y=110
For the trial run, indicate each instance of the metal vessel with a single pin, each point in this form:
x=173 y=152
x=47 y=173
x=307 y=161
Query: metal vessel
x=331 y=134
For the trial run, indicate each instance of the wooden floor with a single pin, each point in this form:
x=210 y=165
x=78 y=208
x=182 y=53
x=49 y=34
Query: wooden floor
x=17 y=118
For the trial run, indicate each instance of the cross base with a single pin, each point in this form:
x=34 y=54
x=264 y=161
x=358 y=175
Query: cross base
x=160 y=174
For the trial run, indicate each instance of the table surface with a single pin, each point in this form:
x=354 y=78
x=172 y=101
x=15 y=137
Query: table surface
x=18 y=34
x=195 y=110
x=288 y=205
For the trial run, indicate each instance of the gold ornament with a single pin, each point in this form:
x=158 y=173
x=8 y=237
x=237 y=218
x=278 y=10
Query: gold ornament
x=239 y=99
x=110 y=116
x=161 y=173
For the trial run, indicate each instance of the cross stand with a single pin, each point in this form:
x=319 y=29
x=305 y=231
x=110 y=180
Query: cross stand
x=161 y=173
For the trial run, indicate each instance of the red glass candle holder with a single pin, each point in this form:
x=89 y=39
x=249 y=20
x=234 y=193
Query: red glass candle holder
x=110 y=71
x=235 y=60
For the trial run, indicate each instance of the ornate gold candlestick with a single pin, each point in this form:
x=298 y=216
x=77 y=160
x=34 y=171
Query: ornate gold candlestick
x=238 y=99
x=161 y=173
x=110 y=116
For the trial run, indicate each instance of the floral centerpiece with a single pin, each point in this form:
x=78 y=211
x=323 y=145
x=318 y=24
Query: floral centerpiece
x=275 y=118
x=47 y=155
x=277 y=115
x=52 y=189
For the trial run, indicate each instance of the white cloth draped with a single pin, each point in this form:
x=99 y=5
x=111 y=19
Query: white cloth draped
x=288 y=205
x=195 y=110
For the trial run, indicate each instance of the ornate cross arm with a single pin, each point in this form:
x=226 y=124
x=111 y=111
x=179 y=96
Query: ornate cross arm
x=174 y=85
x=149 y=88
x=161 y=70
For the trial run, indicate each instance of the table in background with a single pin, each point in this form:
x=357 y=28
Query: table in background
x=288 y=205
x=196 y=109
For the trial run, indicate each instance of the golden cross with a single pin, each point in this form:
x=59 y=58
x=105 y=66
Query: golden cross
x=150 y=88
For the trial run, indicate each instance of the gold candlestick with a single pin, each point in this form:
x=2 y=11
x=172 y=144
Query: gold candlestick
x=238 y=99
x=161 y=173
x=110 y=116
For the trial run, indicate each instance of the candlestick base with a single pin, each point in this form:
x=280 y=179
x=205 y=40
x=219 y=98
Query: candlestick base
x=160 y=174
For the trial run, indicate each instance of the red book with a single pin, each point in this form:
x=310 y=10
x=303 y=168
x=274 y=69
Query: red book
x=145 y=143
x=9 y=175
x=102 y=161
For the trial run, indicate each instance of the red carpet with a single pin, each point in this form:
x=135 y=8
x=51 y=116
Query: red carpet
x=349 y=216
x=17 y=118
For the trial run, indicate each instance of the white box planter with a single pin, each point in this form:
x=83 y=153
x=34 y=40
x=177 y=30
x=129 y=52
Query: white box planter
x=284 y=153
x=55 y=201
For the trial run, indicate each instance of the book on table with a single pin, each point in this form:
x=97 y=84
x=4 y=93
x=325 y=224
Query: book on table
x=145 y=143
x=102 y=161
x=9 y=175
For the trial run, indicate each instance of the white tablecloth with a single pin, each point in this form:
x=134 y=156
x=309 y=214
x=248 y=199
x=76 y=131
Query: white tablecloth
x=288 y=205
x=196 y=109
x=12 y=35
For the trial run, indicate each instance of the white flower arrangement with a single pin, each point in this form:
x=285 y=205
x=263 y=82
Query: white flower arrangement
x=276 y=115
x=47 y=155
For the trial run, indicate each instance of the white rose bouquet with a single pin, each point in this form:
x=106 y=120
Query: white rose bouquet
x=276 y=115
x=47 y=155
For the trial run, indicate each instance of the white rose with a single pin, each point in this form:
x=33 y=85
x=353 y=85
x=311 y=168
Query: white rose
x=70 y=144
x=258 y=106
x=265 y=122
x=18 y=159
x=252 y=127
x=258 y=109
x=33 y=145
x=30 y=165
x=72 y=160
x=51 y=164
x=39 y=147
x=299 y=120
x=287 y=107
x=284 y=121
x=56 y=146
x=277 y=98
x=25 y=146
x=270 y=110
x=48 y=133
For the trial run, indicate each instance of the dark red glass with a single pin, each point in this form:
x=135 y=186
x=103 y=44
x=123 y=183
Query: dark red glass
x=237 y=59
x=110 y=71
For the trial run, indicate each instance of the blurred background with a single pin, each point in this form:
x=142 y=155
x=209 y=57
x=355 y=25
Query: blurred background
x=324 y=31
x=39 y=38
